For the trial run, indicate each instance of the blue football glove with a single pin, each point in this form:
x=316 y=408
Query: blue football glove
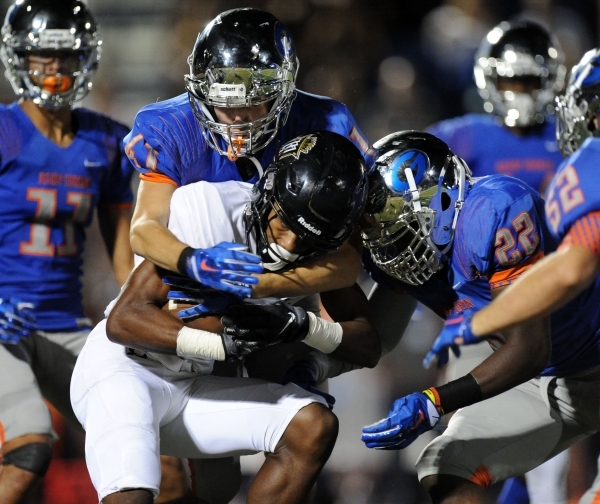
x=457 y=331
x=205 y=299
x=17 y=321
x=225 y=267
x=409 y=417
x=302 y=374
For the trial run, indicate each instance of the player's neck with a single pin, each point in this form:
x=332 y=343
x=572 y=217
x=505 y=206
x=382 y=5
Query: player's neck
x=56 y=125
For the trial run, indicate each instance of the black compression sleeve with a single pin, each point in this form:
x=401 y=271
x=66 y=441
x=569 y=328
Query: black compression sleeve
x=459 y=393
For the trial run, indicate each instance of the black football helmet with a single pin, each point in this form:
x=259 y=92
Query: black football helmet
x=420 y=191
x=243 y=58
x=516 y=50
x=317 y=186
x=63 y=29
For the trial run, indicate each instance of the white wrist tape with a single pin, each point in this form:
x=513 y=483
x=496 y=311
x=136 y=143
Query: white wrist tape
x=322 y=334
x=195 y=343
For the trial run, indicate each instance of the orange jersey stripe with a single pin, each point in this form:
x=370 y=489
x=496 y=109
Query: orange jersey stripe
x=482 y=477
x=157 y=177
x=596 y=498
x=585 y=232
x=507 y=276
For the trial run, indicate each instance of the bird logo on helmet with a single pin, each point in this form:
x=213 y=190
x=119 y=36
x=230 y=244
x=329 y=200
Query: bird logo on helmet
x=243 y=58
x=421 y=187
x=580 y=104
x=64 y=33
x=317 y=186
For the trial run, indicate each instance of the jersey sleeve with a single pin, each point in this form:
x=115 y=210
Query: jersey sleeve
x=10 y=137
x=501 y=236
x=340 y=120
x=575 y=190
x=585 y=232
x=116 y=188
x=152 y=146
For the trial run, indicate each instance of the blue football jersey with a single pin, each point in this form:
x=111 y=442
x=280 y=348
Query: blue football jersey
x=490 y=148
x=48 y=196
x=167 y=139
x=575 y=192
x=500 y=232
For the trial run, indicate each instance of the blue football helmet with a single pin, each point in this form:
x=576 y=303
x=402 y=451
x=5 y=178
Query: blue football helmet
x=424 y=184
x=50 y=30
x=580 y=104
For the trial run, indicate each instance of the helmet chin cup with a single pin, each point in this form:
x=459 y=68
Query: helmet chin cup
x=275 y=257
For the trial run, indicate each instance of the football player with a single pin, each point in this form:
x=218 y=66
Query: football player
x=572 y=212
x=456 y=243
x=518 y=70
x=142 y=384
x=58 y=164
x=241 y=104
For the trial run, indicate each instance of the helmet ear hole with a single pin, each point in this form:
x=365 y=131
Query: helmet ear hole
x=446 y=201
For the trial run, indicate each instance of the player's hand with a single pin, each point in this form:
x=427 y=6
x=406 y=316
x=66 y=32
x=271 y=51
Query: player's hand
x=225 y=267
x=302 y=374
x=456 y=332
x=409 y=417
x=205 y=299
x=238 y=349
x=17 y=320
x=266 y=320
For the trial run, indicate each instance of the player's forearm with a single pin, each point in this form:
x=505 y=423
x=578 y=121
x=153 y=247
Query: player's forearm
x=360 y=344
x=550 y=284
x=335 y=270
x=122 y=256
x=154 y=242
x=523 y=357
x=145 y=328
x=115 y=226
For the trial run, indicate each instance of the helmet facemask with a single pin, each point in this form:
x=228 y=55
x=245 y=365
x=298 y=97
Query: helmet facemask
x=76 y=49
x=580 y=105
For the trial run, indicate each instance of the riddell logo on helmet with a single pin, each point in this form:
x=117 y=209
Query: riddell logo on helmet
x=308 y=226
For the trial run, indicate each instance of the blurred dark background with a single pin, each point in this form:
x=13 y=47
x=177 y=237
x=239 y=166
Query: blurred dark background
x=396 y=65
